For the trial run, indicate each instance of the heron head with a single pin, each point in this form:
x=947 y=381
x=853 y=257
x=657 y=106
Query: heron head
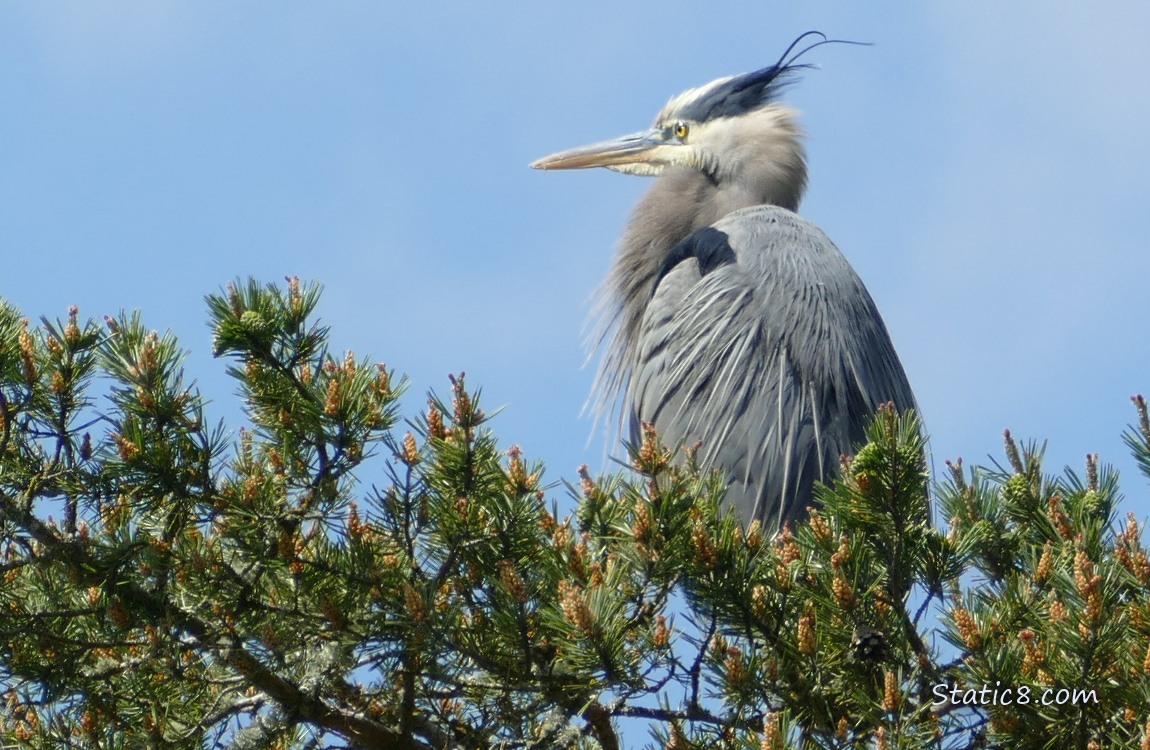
x=695 y=129
x=733 y=129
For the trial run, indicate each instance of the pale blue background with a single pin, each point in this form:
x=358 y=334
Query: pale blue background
x=983 y=166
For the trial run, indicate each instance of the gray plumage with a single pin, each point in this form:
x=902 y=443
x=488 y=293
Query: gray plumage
x=730 y=320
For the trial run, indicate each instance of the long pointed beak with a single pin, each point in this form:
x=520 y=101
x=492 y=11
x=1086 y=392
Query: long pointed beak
x=637 y=148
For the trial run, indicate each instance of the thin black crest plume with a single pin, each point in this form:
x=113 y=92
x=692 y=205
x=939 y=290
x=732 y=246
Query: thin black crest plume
x=749 y=91
x=785 y=64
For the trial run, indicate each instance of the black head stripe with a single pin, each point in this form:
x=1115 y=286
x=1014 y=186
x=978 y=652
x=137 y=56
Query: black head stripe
x=747 y=92
x=740 y=94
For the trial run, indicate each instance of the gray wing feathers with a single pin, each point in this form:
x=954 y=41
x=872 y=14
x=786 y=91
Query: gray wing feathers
x=761 y=342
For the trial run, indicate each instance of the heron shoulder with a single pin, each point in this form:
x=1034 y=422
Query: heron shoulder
x=769 y=248
x=768 y=229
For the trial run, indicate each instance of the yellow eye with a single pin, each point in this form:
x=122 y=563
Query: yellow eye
x=681 y=130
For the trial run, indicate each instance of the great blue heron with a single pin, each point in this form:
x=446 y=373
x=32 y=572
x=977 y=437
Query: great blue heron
x=730 y=319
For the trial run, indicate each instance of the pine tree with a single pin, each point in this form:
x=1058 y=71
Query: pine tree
x=326 y=578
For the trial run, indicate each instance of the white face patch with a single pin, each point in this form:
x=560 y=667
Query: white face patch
x=640 y=169
x=687 y=98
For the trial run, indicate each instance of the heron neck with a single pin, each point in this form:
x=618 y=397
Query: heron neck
x=680 y=202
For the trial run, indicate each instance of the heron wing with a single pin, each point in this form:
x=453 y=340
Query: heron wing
x=761 y=342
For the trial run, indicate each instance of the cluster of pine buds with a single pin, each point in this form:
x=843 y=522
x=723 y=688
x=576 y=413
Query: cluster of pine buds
x=574 y=605
x=806 y=630
x=1089 y=585
x=704 y=545
x=967 y=629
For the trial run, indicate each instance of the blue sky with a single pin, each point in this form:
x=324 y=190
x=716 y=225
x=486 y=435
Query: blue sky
x=983 y=166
